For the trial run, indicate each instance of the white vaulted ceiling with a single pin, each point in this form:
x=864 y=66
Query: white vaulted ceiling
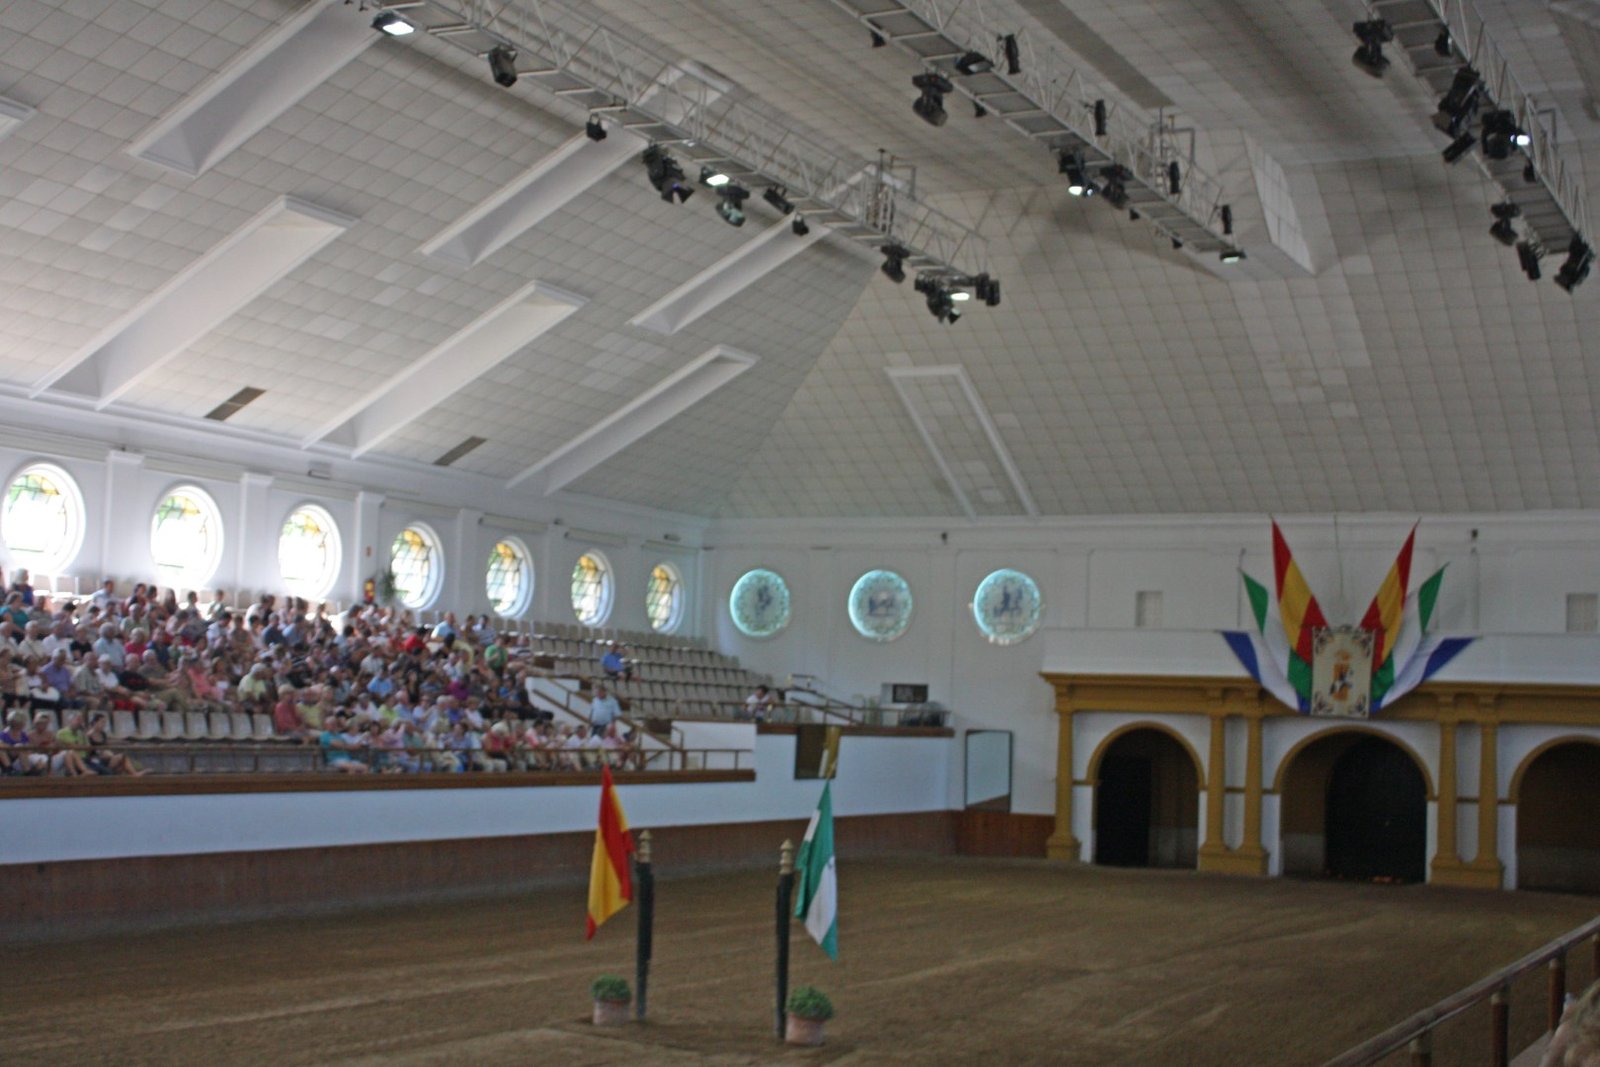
x=1386 y=354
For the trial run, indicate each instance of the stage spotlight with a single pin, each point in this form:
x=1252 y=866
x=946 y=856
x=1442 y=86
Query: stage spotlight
x=1177 y=243
x=1227 y=220
x=1442 y=43
x=877 y=39
x=1459 y=102
x=1502 y=230
x=974 y=63
x=1501 y=134
x=775 y=195
x=503 y=65
x=894 y=259
x=1373 y=35
x=1231 y=255
x=930 y=105
x=392 y=24
x=1529 y=255
x=1078 y=183
x=1174 y=178
x=1099 y=118
x=941 y=300
x=1114 y=190
x=666 y=175
x=1133 y=214
x=1013 y=54
x=978 y=110
x=987 y=288
x=799 y=226
x=1576 y=268
x=1529 y=174
x=730 y=203
x=1460 y=147
x=712 y=177
x=594 y=129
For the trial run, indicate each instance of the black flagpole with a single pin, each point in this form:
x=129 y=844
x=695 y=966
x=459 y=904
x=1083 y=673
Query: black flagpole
x=785 y=900
x=645 y=880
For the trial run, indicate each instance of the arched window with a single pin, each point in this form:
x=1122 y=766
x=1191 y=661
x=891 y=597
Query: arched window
x=663 y=601
x=186 y=538
x=309 y=552
x=510 y=578
x=591 y=589
x=42 y=522
x=418 y=566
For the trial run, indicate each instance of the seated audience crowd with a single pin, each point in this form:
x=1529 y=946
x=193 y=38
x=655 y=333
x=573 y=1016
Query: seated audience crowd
x=372 y=690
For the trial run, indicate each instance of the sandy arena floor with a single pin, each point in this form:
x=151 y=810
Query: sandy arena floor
x=942 y=962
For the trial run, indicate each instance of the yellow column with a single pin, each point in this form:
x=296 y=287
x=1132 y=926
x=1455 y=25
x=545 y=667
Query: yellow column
x=1251 y=848
x=1446 y=858
x=1488 y=859
x=1216 y=790
x=1062 y=845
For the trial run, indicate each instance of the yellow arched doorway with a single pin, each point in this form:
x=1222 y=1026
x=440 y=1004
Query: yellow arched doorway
x=1557 y=793
x=1146 y=809
x=1354 y=804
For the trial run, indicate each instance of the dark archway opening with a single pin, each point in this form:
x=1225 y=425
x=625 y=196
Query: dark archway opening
x=1146 y=803
x=1355 y=805
x=1558 y=836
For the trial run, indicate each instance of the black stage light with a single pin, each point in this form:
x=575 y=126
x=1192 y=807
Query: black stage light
x=666 y=175
x=392 y=24
x=1529 y=255
x=1459 y=102
x=1460 y=146
x=1502 y=230
x=503 y=65
x=986 y=287
x=1115 y=190
x=1442 y=43
x=1099 y=118
x=877 y=39
x=730 y=203
x=1529 y=174
x=1133 y=214
x=1177 y=243
x=978 y=110
x=1174 y=178
x=930 y=105
x=799 y=226
x=594 y=129
x=1078 y=183
x=1227 y=220
x=1013 y=54
x=1576 y=268
x=1501 y=134
x=1373 y=35
x=974 y=63
x=776 y=196
x=1231 y=255
x=894 y=257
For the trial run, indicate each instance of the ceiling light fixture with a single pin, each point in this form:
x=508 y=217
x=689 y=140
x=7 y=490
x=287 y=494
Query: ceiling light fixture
x=594 y=129
x=777 y=196
x=1231 y=255
x=1115 y=190
x=1373 y=35
x=730 y=203
x=1529 y=254
x=1013 y=54
x=1460 y=147
x=1459 y=102
x=894 y=260
x=1078 y=183
x=666 y=175
x=930 y=105
x=1500 y=134
x=986 y=287
x=1100 y=118
x=877 y=39
x=799 y=226
x=1442 y=43
x=1174 y=178
x=941 y=299
x=503 y=66
x=1576 y=268
x=1502 y=230
x=974 y=63
x=1227 y=220
x=392 y=24
x=711 y=176
x=978 y=110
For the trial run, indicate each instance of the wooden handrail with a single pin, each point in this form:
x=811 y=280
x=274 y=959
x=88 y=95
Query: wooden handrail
x=1402 y=1033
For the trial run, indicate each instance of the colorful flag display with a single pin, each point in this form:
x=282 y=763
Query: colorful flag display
x=610 y=880
x=1278 y=653
x=817 y=888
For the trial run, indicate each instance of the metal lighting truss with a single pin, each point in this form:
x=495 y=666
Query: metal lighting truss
x=1049 y=102
x=704 y=119
x=1552 y=205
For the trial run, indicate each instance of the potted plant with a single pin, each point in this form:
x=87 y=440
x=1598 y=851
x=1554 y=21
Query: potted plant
x=611 y=999
x=808 y=1009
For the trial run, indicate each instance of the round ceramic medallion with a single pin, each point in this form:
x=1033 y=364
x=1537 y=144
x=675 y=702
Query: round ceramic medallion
x=880 y=605
x=760 y=603
x=1007 y=607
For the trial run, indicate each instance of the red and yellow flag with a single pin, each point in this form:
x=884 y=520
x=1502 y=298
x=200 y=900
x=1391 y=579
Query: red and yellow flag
x=1299 y=609
x=1384 y=613
x=610 y=878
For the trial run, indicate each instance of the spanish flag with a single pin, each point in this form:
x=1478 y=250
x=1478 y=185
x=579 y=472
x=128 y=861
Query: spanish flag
x=1299 y=609
x=610 y=880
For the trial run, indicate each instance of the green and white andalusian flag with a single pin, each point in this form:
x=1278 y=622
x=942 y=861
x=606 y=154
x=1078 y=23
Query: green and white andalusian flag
x=818 y=902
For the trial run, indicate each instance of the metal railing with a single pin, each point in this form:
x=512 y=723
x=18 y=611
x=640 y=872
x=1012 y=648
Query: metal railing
x=1415 y=1033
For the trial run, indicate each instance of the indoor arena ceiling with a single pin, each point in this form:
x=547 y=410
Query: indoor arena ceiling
x=1378 y=350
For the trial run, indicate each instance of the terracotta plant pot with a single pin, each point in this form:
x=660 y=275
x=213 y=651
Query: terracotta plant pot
x=611 y=1012
x=801 y=1031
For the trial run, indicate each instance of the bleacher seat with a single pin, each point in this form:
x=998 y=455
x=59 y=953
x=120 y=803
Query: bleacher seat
x=149 y=726
x=123 y=725
x=172 y=726
x=242 y=728
x=196 y=726
x=261 y=727
x=219 y=726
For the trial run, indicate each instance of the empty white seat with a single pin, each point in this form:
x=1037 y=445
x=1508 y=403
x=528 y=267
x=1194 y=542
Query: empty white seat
x=149 y=726
x=124 y=725
x=196 y=727
x=172 y=725
x=261 y=726
x=219 y=726
x=243 y=728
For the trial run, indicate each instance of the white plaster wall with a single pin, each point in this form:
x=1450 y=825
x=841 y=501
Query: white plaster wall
x=877 y=775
